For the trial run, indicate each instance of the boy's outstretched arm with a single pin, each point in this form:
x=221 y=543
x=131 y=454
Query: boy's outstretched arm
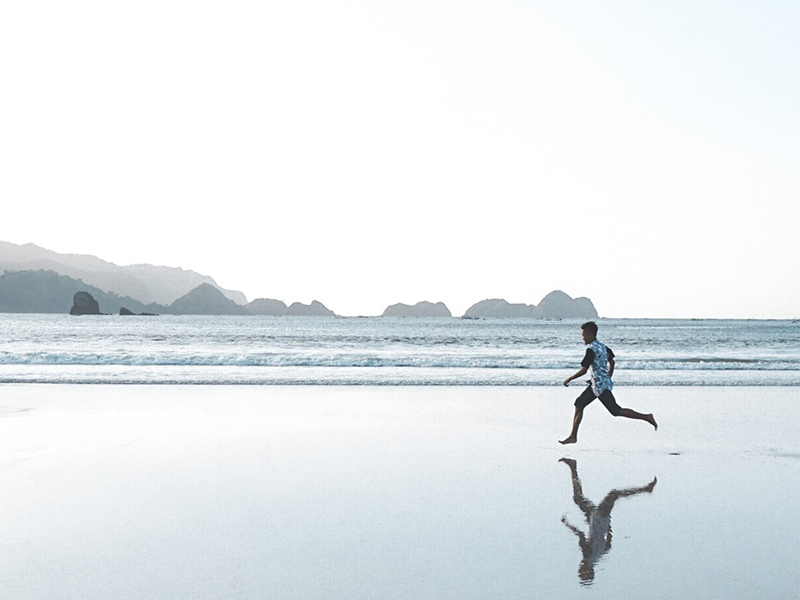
x=580 y=373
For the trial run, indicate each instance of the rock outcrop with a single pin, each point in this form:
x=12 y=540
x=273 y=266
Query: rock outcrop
x=555 y=305
x=266 y=307
x=124 y=312
x=206 y=299
x=315 y=309
x=558 y=305
x=83 y=303
x=420 y=309
x=497 y=308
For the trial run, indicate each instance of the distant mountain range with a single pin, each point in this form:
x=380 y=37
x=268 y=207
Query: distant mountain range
x=36 y=280
x=149 y=284
x=49 y=292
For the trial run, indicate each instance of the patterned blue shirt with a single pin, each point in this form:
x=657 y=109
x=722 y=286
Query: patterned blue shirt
x=597 y=355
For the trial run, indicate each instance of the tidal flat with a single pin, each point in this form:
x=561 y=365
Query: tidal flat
x=151 y=491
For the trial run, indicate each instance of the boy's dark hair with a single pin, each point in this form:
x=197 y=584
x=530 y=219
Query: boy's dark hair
x=590 y=326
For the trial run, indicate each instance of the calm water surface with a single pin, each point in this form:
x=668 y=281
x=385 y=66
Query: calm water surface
x=388 y=351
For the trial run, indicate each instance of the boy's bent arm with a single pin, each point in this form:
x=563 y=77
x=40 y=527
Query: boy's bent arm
x=610 y=367
x=580 y=373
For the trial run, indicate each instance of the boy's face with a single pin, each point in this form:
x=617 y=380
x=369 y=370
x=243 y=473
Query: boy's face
x=588 y=336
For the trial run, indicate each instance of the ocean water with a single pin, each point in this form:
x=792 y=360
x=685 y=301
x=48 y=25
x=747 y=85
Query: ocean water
x=388 y=351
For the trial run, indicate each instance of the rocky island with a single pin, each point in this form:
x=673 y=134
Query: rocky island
x=266 y=307
x=420 y=309
x=555 y=305
x=205 y=299
x=315 y=309
x=84 y=304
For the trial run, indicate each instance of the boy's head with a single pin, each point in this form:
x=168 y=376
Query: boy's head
x=589 y=331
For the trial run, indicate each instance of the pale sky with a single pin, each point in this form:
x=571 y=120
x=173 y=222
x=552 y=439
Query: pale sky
x=643 y=154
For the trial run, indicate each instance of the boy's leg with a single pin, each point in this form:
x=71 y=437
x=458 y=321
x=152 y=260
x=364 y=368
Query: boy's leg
x=608 y=400
x=576 y=422
x=632 y=414
x=582 y=402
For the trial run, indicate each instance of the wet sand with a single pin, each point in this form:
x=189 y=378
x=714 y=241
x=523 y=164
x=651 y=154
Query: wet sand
x=390 y=492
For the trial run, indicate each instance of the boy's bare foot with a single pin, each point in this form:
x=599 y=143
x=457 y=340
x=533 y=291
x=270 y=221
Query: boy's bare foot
x=570 y=440
x=651 y=419
x=570 y=462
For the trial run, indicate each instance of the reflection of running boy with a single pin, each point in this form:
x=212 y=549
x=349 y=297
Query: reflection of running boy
x=597 y=541
x=601 y=360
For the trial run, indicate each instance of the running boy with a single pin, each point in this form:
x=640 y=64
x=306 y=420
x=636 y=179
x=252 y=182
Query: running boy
x=601 y=360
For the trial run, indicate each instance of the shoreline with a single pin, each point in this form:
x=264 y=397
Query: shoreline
x=204 y=492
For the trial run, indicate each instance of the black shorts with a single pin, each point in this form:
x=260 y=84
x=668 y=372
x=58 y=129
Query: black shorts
x=607 y=398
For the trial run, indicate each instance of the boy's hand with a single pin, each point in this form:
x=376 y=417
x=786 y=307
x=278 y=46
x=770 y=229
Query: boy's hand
x=566 y=382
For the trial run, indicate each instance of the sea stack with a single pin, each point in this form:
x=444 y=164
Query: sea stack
x=83 y=303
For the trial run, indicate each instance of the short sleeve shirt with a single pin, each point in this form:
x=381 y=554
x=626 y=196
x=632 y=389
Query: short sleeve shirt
x=596 y=358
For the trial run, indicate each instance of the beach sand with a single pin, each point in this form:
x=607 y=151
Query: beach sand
x=388 y=492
